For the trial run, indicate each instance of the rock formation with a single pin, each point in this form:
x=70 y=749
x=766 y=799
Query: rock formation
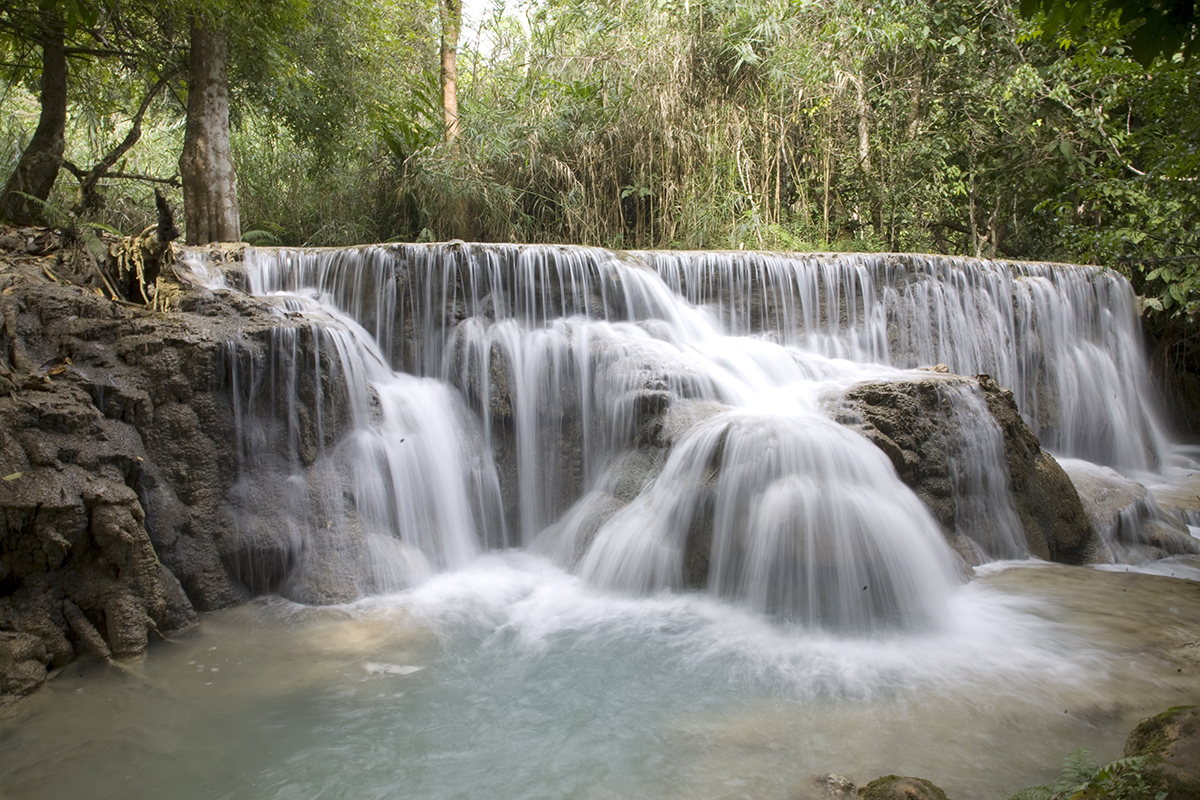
x=117 y=453
x=912 y=422
x=1132 y=525
x=896 y=787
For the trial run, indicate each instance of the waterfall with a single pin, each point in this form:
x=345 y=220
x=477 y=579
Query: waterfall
x=1064 y=339
x=661 y=421
x=352 y=478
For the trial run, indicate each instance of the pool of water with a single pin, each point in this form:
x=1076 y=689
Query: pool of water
x=513 y=679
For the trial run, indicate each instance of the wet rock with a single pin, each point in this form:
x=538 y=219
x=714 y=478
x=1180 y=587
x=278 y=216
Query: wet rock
x=896 y=787
x=54 y=643
x=913 y=424
x=178 y=615
x=26 y=647
x=1132 y=525
x=117 y=439
x=1171 y=537
x=18 y=676
x=1046 y=500
x=1170 y=743
x=1181 y=497
x=906 y=422
x=84 y=632
x=325 y=571
x=127 y=626
x=836 y=786
x=683 y=415
x=1103 y=492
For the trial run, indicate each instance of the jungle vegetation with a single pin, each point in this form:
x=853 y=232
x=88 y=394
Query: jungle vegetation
x=1064 y=130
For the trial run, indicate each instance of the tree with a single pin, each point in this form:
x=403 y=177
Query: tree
x=24 y=195
x=451 y=17
x=223 y=32
x=1158 y=27
x=83 y=47
x=210 y=202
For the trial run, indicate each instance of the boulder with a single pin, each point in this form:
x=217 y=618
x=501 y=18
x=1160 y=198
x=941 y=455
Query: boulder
x=1046 y=500
x=1170 y=745
x=914 y=423
x=896 y=787
x=1130 y=521
x=836 y=786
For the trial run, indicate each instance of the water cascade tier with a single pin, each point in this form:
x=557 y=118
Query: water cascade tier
x=720 y=422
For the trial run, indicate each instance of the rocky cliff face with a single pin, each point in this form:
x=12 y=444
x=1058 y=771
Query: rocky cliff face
x=117 y=453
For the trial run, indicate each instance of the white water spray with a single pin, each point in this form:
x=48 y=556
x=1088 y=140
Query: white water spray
x=546 y=374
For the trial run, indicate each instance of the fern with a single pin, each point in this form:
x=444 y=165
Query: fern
x=100 y=226
x=1078 y=768
x=1035 y=793
x=55 y=215
x=1123 y=779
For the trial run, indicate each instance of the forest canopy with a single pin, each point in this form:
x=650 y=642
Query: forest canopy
x=1063 y=130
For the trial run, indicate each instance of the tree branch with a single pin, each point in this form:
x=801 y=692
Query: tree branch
x=134 y=176
x=87 y=186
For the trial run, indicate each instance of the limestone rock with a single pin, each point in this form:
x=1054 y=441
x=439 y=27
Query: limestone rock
x=896 y=787
x=837 y=786
x=910 y=421
x=178 y=615
x=18 y=676
x=84 y=632
x=1128 y=517
x=117 y=437
x=1170 y=742
x=1046 y=499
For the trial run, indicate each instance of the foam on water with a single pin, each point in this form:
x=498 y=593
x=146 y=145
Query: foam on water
x=511 y=675
x=517 y=601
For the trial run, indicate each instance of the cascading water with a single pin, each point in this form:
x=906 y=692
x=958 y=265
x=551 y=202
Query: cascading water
x=1064 y=339
x=569 y=360
x=374 y=474
x=614 y=526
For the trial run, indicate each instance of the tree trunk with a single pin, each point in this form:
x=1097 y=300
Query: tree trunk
x=210 y=204
x=451 y=12
x=38 y=167
x=863 y=110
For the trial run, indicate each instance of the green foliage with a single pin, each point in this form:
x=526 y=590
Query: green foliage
x=1155 y=27
x=1082 y=779
x=950 y=126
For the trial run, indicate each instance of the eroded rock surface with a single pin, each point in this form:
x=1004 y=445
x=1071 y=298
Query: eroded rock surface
x=896 y=787
x=912 y=422
x=117 y=450
x=1131 y=523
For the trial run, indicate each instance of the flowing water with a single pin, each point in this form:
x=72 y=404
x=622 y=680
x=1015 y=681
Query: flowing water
x=510 y=678
x=597 y=530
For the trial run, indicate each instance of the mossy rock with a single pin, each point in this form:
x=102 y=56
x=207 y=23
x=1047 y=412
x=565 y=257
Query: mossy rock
x=896 y=787
x=1170 y=743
